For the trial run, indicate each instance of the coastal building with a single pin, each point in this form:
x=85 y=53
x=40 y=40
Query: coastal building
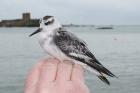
x=26 y=21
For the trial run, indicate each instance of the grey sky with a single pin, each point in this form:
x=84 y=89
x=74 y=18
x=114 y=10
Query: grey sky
x=75 y=11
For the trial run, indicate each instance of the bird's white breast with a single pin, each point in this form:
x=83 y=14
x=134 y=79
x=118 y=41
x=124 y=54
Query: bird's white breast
x=47 y=43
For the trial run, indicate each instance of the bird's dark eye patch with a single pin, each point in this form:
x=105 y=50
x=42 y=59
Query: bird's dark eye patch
x=49 y=22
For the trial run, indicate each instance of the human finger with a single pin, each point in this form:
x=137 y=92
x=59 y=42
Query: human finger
x=77 y=73
x=64 y=71
x=48 y=71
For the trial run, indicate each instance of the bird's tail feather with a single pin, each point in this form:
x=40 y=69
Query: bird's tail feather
x=107 y=72
x=104 y=79
x=98 y=74
x=100 y=68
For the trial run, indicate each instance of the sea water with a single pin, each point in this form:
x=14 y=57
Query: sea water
x=117 y=49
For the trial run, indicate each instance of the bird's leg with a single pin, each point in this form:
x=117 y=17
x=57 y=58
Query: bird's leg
x=72 y=63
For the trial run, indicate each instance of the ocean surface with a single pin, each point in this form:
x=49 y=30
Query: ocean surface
x=118 y=49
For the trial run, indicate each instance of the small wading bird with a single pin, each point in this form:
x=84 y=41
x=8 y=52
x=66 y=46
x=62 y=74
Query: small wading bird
x=63 y=45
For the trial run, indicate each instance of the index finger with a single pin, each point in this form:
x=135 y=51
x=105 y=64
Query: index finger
x=78 y=73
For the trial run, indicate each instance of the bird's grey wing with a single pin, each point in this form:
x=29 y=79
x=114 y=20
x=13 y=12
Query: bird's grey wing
x=75 y=48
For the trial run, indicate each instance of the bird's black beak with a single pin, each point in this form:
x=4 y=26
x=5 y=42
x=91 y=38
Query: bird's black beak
x=37 y=31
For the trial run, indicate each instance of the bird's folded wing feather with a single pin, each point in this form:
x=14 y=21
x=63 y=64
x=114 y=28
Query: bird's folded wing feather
x=74 y=47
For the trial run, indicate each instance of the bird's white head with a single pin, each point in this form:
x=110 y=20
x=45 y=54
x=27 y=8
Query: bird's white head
x=47 y=23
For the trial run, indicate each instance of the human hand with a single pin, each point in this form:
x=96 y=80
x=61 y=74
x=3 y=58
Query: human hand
x=52 y=76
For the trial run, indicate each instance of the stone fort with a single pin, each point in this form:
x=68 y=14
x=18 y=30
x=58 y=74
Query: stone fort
x=26 y=21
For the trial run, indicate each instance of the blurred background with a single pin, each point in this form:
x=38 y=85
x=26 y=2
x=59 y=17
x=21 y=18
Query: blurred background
x=111 y=29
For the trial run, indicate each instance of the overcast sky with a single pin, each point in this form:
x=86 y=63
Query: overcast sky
x=75 y=11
